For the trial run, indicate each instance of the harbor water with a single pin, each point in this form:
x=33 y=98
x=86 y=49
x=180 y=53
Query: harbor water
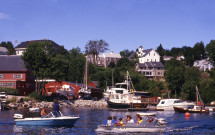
x=90 y=119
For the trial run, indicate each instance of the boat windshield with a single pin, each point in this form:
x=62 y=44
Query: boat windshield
x=177 y=101
x=119 y=91
x=121 y=86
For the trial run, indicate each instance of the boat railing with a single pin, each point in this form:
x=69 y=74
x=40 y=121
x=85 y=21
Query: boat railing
x=58 y=114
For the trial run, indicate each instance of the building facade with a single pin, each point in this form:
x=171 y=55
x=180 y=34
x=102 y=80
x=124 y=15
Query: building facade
x=149 y=63
x=105 y=59
x=13 y=74
x=203 y=65
x=21 y=48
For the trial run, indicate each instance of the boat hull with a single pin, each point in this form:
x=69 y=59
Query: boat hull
x=184 y=110
x=134 y=129
x=65 y=121
x=126 y=105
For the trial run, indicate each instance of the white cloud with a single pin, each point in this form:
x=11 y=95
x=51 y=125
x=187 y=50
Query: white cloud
x=3 y=16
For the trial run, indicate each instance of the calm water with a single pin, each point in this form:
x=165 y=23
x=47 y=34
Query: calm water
x=90 y=119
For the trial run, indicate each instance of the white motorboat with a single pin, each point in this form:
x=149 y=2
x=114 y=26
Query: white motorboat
x=52 y=119
x=153 y=126
x=123 y=96
x=169 y=104
x=147 y=114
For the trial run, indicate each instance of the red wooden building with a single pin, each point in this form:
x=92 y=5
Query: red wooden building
x=64 y=86
x=13 y=74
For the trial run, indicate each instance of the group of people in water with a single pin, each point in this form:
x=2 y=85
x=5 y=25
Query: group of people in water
x=112 y=121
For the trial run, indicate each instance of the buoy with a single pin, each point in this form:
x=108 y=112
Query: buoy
x=187 y=114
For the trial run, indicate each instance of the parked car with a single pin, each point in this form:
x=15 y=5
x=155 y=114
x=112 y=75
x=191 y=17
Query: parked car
x=3 y=95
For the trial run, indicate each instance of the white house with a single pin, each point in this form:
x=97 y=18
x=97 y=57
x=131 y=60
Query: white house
x=149 y=63
x=149 y=55
x=203 y=65
x=105 y=59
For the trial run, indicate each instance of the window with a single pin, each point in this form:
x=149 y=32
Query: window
x=1 y=76
x=17 y=76
x=147 y=60
x=1 y=84
x=155 y=60
x=10 y=84
x=162 y=102
x=154 y=54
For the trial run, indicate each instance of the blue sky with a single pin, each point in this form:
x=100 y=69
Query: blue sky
x=124 y=24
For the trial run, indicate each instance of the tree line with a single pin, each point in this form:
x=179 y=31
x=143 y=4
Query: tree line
x=181 y=78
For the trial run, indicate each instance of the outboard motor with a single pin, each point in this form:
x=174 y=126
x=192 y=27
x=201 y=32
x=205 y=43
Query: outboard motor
x=162 y=121
x=18 y=116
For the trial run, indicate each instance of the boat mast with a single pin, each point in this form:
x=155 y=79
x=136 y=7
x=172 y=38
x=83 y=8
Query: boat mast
x=197 y=99
x=86 y=72
x=127 y=81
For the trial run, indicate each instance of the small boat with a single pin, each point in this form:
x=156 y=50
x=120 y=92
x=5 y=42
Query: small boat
x=199 y=108
x=147 y=114
x=145 y=127
x=168 y=104
x=52 y=119
x=34 y=109
x=195 y=109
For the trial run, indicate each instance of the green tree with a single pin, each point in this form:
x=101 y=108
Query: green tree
x=174 y=75
x=192 y=78
x=9 y=47
x=210 y=49
x=188 y=56
x=37 y=61
x=160 y=50
x=94 y=47
x=199 y=51
x=126 y=53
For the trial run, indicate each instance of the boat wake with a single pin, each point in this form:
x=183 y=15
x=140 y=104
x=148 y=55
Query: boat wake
x=181 y=129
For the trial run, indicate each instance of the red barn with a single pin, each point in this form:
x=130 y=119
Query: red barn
x=52 y=87
x=13 y=74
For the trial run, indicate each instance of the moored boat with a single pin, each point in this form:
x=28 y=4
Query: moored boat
x=195 y=109
x=168 y=104
x=50 y=120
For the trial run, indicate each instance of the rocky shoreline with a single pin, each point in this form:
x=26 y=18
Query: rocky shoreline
x=65 y=103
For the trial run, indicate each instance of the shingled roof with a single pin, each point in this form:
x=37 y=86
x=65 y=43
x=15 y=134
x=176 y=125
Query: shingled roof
x=12 y=63
x=27 y=43
x=151 y=64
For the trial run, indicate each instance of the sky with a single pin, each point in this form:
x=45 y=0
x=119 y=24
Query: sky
x=123 y=24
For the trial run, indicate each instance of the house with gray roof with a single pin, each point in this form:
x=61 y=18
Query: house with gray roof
x=149 y=63
x=20 y=49
x=105 y=59
x=13 y=74
x=3 y=51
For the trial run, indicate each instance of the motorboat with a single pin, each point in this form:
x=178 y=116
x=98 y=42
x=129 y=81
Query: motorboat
x=168 y=104
x=153 y=126
x=52 y=119
x=199 y=108
x=147 y=114
x=191 y=109
x=124 y=96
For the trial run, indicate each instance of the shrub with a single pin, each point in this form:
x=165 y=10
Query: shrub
x=37 y=96
x=9 y=91
x=12 y=100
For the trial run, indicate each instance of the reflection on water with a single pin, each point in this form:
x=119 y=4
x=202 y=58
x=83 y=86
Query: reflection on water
x=90 y=119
